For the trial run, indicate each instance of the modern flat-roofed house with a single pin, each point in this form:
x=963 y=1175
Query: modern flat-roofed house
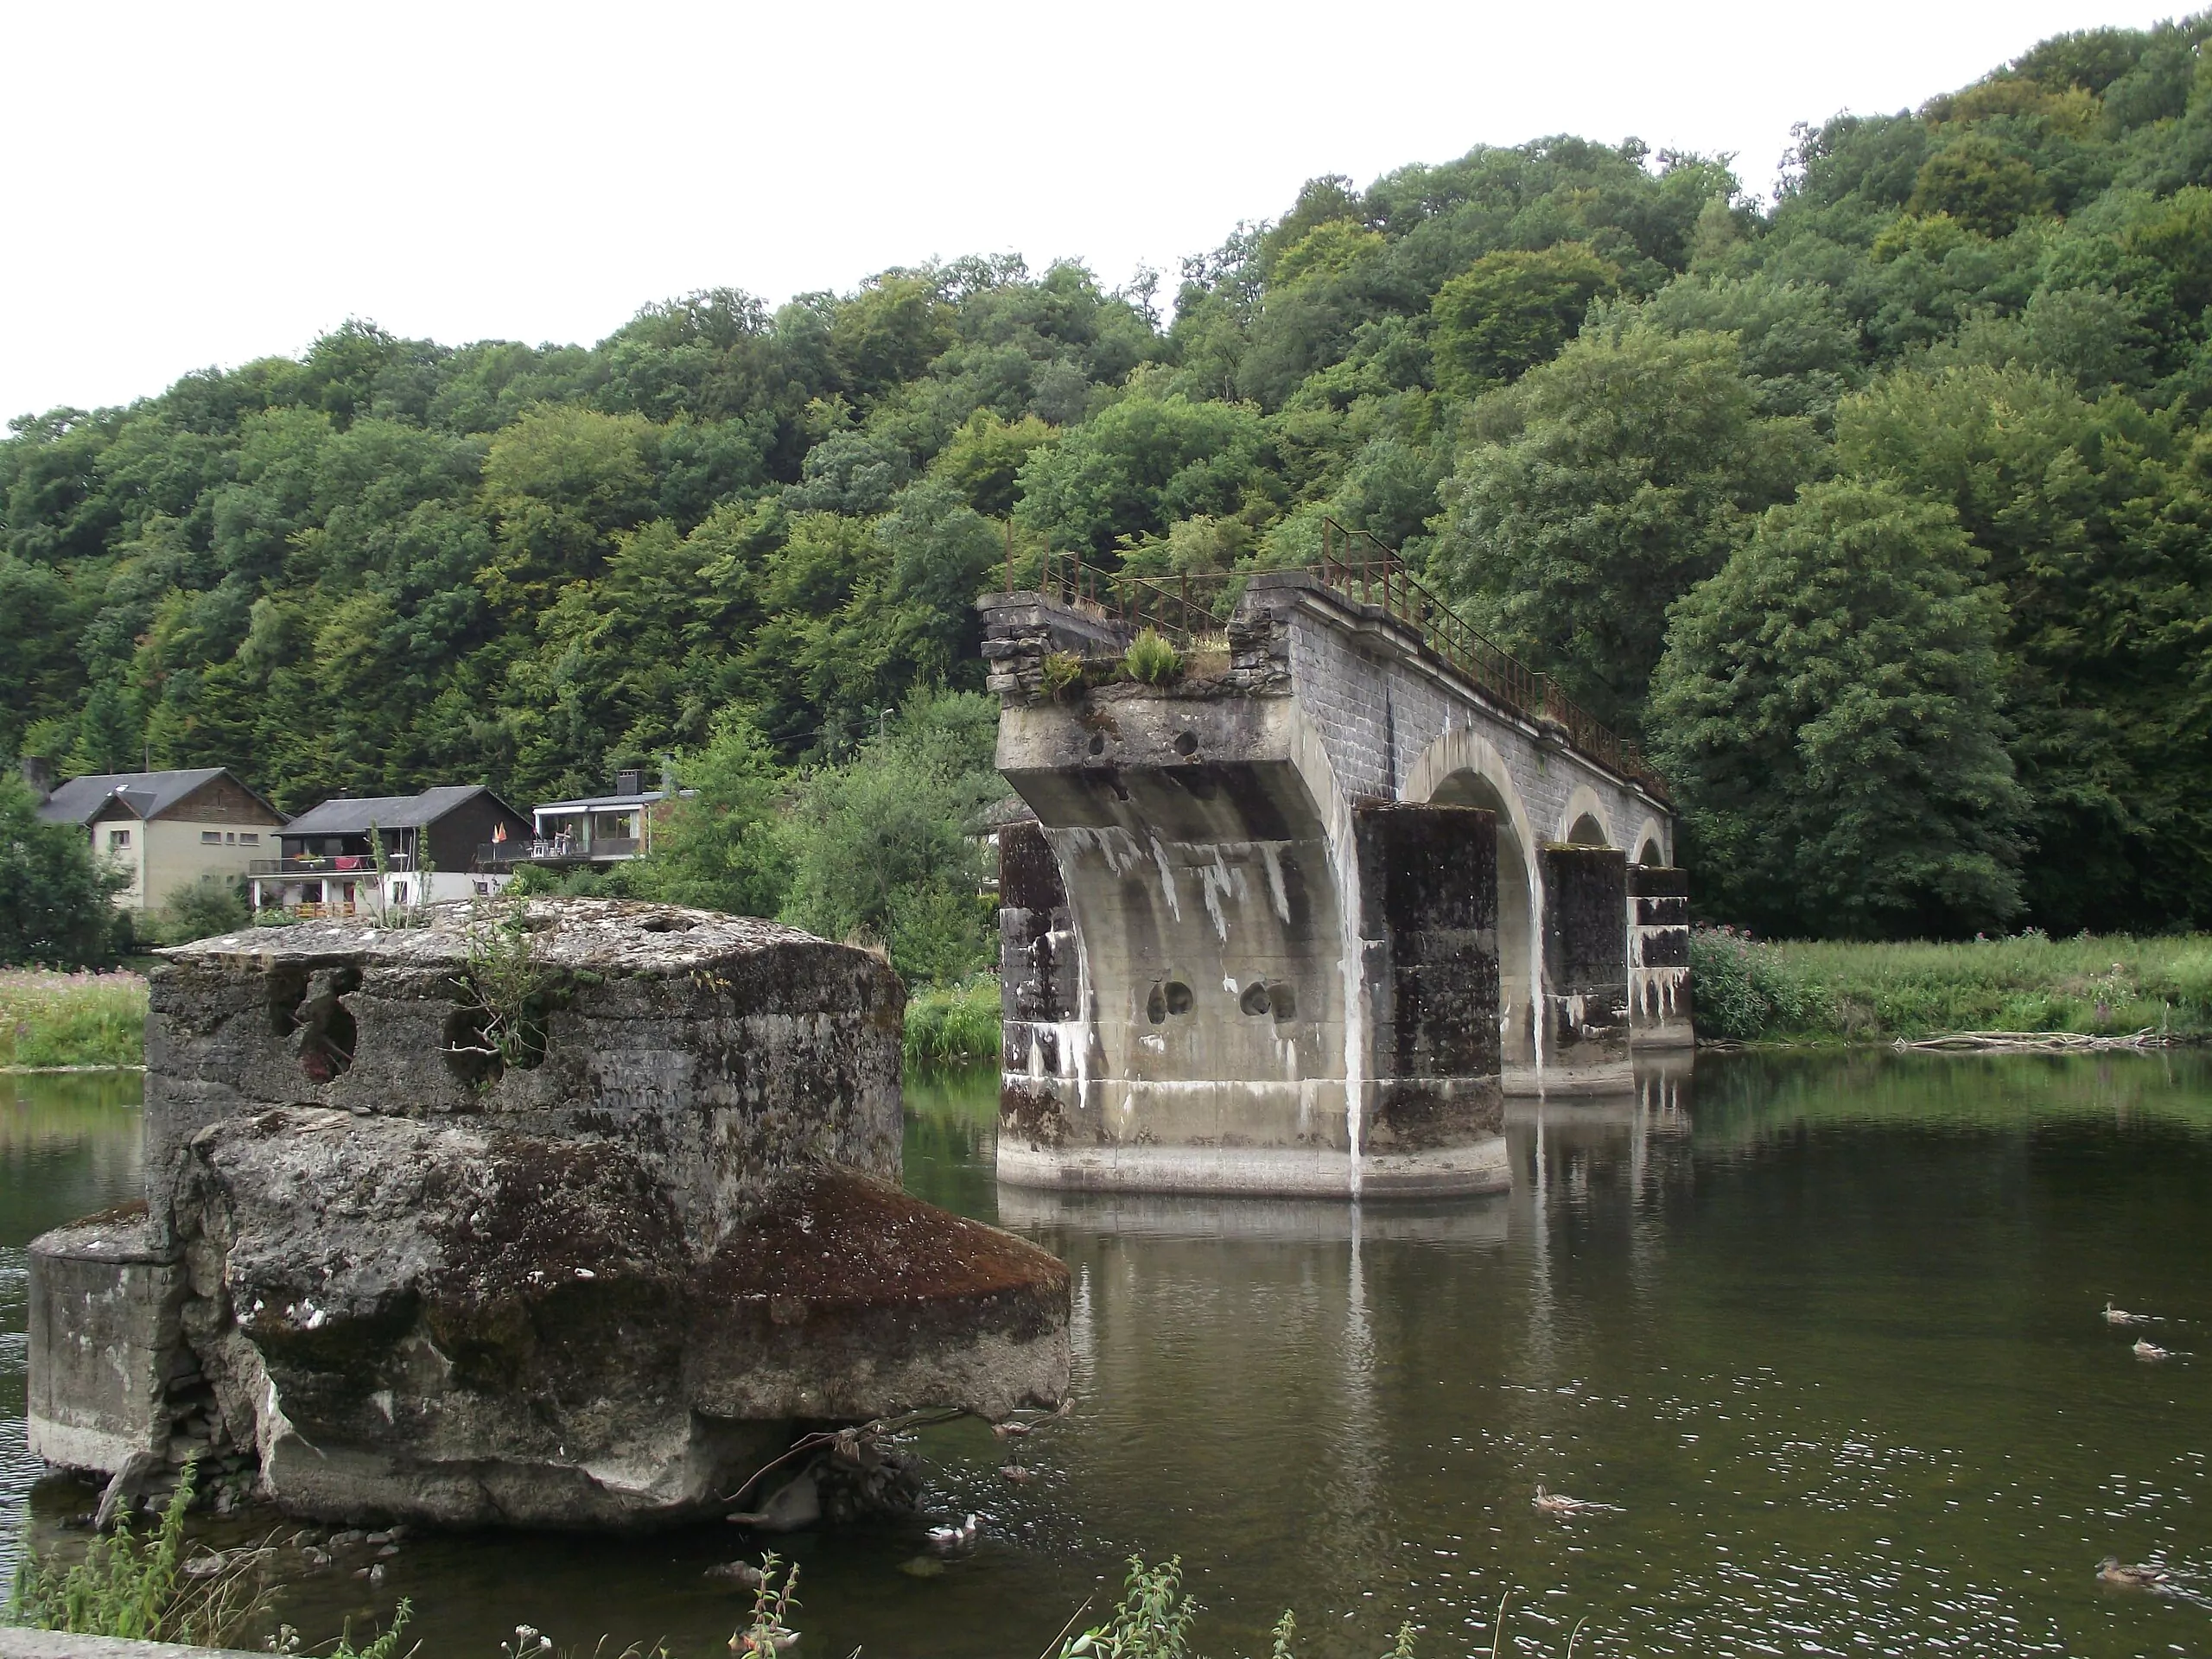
x=591 y=830
x=327 y=864
x=165 y=829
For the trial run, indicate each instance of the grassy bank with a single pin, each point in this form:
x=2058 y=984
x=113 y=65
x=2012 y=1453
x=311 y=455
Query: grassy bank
x=49 y=1019
x=954 y=1025
x=1754 y=990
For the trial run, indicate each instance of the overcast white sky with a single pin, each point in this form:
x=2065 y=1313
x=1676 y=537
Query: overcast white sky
x=189 y=185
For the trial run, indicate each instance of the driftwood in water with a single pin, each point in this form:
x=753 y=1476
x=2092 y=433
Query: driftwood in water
x=2033 y=1042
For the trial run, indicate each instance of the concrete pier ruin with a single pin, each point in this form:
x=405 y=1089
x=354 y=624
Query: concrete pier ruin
x=1295 y=921
x=574 y=1216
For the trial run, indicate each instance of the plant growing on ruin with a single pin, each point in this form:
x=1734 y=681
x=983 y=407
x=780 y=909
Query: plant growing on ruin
x=505 y=994
x=1151 y=659
x=1060 y=672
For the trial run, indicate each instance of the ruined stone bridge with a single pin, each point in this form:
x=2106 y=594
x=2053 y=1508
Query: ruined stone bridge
x=1295 y=921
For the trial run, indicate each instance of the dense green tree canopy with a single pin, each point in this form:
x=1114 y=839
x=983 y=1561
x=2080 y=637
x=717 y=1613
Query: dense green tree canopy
x=1829 y=706
x=1573 y=380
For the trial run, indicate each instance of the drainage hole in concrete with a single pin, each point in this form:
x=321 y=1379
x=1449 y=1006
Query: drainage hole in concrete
x=1255 y=1000
x=1155 y=1007
x=1098 y=743
x=1283 y=999
x=1186 y=743
x=1179 y=997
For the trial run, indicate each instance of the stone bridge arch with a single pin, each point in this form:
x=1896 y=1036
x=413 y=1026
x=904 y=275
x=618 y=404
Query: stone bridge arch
x=1584 y=822
x=1463 y=768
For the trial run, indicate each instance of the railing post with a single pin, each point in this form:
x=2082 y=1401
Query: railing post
x=1009 y=553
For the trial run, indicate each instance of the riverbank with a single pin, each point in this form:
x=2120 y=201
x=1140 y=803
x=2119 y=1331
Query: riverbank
x=954 y=1025
x=53 y=1020
x=1797 y=992
x=1747 y=990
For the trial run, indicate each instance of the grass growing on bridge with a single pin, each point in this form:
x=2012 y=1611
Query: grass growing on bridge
x=1859 y=993
x=52 y=1019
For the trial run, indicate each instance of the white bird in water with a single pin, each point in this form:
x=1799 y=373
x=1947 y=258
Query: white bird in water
x=952 y=1537
x=1561 y=1503
x=2145 y=1349
x=1016 y=1473
x=1010 y=1431
x=2121 y=1316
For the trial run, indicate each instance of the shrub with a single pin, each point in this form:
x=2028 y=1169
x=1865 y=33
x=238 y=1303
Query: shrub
x=209 y=906
x=1062 y=670
x=1151 y=659
x=1743 y=989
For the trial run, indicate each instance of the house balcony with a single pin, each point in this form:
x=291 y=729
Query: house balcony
x=353 y=864
x=558 y=851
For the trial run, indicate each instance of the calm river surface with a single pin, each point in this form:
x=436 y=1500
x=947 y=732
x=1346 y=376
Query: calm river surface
x=1825 y=1329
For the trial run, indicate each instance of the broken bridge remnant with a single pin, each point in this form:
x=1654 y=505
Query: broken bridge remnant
x=584 y=1245
x=1293 y=922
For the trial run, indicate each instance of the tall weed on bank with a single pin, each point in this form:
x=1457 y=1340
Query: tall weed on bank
x=953 y=1025
x=2109 y=985
x=82 y=1019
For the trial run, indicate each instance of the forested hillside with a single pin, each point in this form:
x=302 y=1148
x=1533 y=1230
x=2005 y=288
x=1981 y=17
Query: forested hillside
x=1883 y=515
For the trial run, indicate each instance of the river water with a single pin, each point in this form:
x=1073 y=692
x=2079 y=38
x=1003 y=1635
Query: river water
x=1827 y=1330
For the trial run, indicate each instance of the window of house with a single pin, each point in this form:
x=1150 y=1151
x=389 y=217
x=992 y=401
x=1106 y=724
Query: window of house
x=118 y=841
x=247 y=838
x=210 y=837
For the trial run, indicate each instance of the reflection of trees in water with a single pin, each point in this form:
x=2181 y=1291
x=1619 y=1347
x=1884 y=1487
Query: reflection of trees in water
x=69 y=1146
x=1743 y=1098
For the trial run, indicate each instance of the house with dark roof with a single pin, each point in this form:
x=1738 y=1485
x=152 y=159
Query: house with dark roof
x=591 y=829
x=329 y=863
x=166 y=829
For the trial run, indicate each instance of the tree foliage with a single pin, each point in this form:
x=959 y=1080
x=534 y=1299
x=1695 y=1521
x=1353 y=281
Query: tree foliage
x=1829 y=703
x=56 y=901
x=1569 y=378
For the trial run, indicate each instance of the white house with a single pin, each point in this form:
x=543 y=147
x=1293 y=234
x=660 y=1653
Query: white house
x=166 y=829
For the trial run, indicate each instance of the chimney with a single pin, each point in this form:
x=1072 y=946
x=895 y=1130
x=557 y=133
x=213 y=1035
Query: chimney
x=39 y=774
x=629 y=782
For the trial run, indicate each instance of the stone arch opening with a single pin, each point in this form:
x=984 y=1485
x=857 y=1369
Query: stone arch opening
x=1516 y=957
x=1585 y=822
x=1651 y=846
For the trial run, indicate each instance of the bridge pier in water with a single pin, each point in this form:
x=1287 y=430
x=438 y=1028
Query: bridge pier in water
x=1296 y=922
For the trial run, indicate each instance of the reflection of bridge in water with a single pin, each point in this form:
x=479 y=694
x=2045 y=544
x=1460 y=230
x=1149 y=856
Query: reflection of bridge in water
x=1296 y=922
